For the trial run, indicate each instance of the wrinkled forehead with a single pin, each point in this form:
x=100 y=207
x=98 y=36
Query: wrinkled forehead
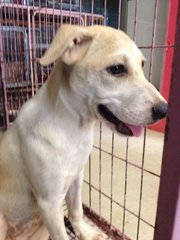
x=127 y=53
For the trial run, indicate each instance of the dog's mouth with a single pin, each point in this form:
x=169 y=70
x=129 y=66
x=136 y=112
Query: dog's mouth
x=120 y=127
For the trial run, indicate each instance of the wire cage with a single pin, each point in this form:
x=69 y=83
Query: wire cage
x=121 y=180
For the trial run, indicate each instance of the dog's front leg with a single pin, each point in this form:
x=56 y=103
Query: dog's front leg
x=74 y=204
x=53 y=217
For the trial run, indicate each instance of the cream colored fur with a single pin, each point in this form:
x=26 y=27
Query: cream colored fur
x=43 y=153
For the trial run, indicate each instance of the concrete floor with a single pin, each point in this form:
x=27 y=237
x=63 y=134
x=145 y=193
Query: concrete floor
x=115 y=187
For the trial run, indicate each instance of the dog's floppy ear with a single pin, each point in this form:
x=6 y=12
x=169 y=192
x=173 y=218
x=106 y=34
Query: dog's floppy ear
x=69 y=44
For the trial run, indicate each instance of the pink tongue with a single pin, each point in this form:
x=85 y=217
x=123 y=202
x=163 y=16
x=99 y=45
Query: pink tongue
x=136 y=130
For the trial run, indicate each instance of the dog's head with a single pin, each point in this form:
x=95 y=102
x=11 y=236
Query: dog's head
x=105 y=69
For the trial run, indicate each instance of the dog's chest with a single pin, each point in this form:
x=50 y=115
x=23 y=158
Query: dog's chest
x=58 y=154
x=77 y=152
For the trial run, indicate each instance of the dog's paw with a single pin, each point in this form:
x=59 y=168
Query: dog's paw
x=86 y=232
x=98 y=236
x=93 y=236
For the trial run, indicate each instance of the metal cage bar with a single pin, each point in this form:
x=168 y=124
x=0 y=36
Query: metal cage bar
x=168 y=212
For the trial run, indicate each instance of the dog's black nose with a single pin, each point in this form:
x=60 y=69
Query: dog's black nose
x=159 y=111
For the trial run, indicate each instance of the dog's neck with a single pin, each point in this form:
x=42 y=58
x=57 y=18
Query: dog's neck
x=65 y=101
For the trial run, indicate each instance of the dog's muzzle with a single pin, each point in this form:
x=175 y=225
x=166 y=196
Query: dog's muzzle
x=120 y=127
x=158 y=112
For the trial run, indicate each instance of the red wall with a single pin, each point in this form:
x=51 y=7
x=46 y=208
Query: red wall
x=168 y=58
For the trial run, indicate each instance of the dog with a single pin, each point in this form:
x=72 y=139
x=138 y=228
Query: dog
x=98 y=75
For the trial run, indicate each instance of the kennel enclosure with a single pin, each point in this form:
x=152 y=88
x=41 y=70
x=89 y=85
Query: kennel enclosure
x=121 y=184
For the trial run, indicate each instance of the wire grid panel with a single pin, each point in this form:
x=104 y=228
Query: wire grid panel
x=123 y=184
x=122 y=177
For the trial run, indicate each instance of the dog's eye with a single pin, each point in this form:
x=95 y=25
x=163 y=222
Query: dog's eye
x=117 y=69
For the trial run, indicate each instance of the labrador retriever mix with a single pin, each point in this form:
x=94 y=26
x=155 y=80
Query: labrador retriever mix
x=98 y=75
